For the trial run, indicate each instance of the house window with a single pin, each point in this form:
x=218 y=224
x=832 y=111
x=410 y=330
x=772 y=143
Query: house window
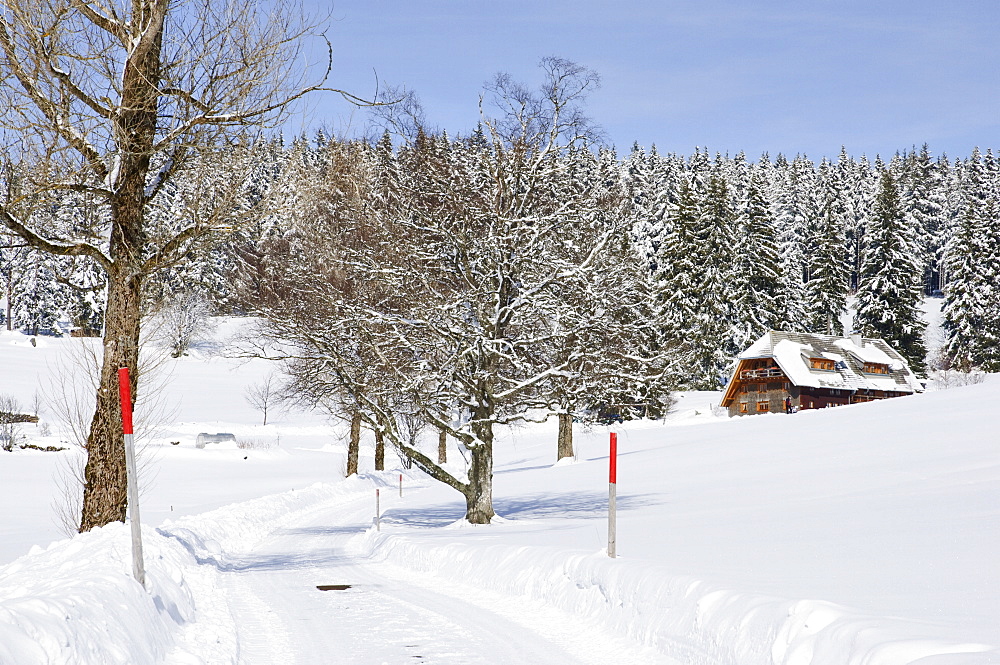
x=763 y=406
x=822 y=363
x=875 y=368
x=744 y=407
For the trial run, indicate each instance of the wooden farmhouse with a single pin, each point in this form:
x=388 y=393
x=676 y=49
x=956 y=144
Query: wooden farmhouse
x=815 y=371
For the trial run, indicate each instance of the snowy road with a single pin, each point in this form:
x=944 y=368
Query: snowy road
x=389 y=615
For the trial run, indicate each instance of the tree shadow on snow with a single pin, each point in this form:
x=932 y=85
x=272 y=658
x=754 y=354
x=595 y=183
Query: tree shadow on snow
x=429 y=517
x=572 y=505
x=322 y=531
x=314 y=555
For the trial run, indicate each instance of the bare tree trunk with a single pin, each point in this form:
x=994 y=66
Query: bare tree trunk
x=565 y=438
x=379 y=450
x=354 y=446
x=479 y=492
x=105 y=479
x=105 y=495
x=442 y=447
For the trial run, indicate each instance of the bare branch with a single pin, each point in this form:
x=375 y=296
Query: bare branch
x=62 y=249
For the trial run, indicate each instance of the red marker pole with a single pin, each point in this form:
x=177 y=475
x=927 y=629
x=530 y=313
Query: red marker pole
x=400 y=486
x=612 y=495
x=125 y=392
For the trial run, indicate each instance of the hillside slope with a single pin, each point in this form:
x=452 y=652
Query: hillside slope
x=859 y=535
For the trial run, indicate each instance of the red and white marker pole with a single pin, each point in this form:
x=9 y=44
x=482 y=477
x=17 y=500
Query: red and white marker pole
x=612 y=495
x=400 y=486
x=125 y=392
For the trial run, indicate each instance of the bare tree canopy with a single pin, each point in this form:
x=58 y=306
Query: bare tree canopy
x=106 y=103
x=471 y=283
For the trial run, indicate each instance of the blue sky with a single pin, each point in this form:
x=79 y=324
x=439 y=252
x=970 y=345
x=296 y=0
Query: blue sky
x=792 y=77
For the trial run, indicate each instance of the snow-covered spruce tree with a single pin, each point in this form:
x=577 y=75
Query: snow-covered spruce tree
x=692 y=279
x=990 y=267
x=718 y=227
x=37 y=298
x=14 y=257
x=85 y=293
x=890 y=286
x=972 y=263
x=926 y=208
x=790 y=220
x=756 y=274
x=860 y=185
x=678 y=279
x=826 y=290
x=650 y=183
x=111 y=102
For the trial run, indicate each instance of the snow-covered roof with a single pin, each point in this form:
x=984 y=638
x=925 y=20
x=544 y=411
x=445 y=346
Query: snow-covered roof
x=792 y=353
x=759 y=349
x=871 y=353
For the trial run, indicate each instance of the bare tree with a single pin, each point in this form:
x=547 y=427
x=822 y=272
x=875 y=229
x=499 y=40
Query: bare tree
x=264 y=395
x=109 y=102
x=458 y=280
x=181 y=320
x=9 y=421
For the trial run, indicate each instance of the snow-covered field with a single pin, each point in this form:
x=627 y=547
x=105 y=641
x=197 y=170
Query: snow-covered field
x=865 y=534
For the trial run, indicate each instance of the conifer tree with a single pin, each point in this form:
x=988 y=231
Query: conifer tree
x=37 y=299
x=679 y=279
x=693 y=280
x=972 y=262
x=826 y=290
x=756 y=274
x=925 y=206
x=889 y=288
x=791 y=226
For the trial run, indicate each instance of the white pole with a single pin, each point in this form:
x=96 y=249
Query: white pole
x=125 y=392
x=378 y=525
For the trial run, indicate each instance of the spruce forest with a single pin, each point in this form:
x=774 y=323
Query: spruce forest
x=710 y=250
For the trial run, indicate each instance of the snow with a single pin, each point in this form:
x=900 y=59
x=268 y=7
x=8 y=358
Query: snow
x=869 y=353
x=865 y=534
x=788 y=355
x=760 y=348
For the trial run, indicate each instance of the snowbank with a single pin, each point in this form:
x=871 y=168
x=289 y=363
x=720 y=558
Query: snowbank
x=76 y=602
x=687 y=619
